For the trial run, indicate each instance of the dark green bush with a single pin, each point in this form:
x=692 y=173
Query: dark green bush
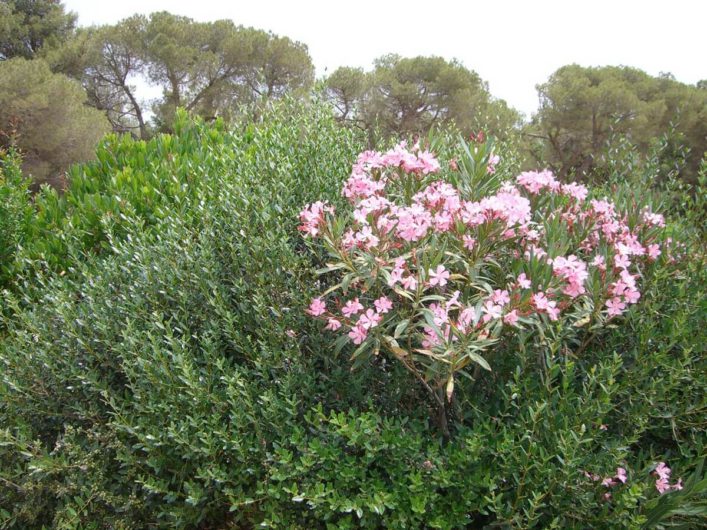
x=15 y=215
x=158 y=370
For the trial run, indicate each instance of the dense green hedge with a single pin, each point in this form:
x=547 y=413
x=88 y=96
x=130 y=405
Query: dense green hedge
x=158 y=370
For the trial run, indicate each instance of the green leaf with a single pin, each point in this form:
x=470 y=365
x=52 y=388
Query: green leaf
x=400 y=328
x=478 y=359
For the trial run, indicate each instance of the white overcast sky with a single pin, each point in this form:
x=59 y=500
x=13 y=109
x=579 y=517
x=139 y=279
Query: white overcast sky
x=512 y=44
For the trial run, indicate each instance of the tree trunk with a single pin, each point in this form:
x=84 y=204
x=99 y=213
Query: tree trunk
x=440 y=418
x=138 y=112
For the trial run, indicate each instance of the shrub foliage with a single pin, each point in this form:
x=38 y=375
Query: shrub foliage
x=159 y=369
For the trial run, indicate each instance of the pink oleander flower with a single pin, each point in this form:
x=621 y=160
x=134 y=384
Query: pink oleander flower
x=396 y=275
x=431 y=339
x=413 y=223
x=523 y=281
x=653 y=252
x=602 y=207
x=469 y=242
x=599 y=262
x=510 y=207
x=409 y=282
x=370 y=319
x=443 y=221
x=383 y=304
x=491 y=167
x=441 y=315
x=358 y=334
x=631 y=295
x=574 y=271
x=317 y=307
x=466 y=318
x=453 y=302
x=541 y=302
x=348 y=241
x=439 y=276
x=511 y=318
x=491 y=311
x=351 y=308
x=535 y=182
x=615 y=307
x=531 y=235
x=361 y=186
x=662 y=485
x=534 y=251
x=368 y=160
x=654 y=219
x=553 y=312
x=621 y=475
x=333 y=324
x=500 y=297
x=621 y=261
x=367 y=239
x=428 y=162
x=662 y=470
x=544 y=305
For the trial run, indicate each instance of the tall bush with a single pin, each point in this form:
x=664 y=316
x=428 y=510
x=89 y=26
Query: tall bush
x=435 y=270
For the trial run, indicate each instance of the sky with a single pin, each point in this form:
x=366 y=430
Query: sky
x=513 y=44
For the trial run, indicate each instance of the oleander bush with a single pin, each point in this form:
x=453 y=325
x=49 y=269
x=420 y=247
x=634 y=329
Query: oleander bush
x=159 y=369
x=453 y=266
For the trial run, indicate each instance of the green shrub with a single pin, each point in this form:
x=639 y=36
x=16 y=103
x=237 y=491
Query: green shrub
x=15 y=214
x=170 y=379
x=206 y=295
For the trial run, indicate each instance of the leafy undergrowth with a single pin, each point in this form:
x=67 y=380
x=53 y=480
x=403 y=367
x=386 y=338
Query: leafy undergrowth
x=159 y=370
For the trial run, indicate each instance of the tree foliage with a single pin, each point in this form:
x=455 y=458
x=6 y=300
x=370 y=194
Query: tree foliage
x=107 y=60
x=406 y=96
x=45 y=116
x=581 y=109
x=345 y=88
x=208 y=68
x=26 y=26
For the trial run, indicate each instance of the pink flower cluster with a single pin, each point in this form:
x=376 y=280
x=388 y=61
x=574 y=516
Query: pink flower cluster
x=535 y=182
x=573 y=271
x=662 y=483
x=619 y=478
x=415 y=246
x=312 y=217
x=353 y=314
x=362 y=184
x=605 y=227
x=661 y=472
